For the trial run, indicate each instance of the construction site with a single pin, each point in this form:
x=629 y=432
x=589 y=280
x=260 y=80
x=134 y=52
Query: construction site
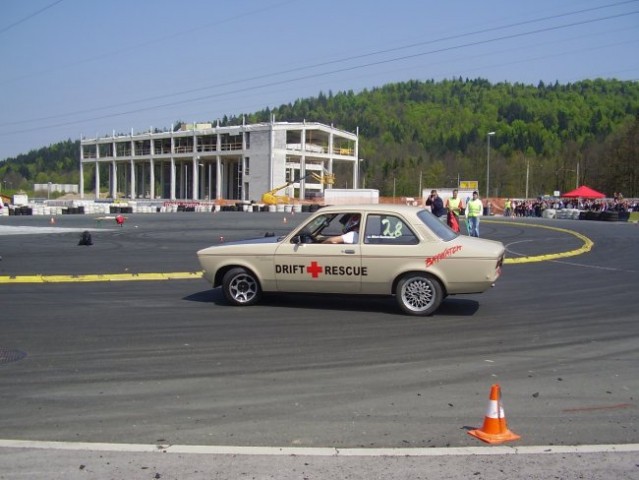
x=272 y=163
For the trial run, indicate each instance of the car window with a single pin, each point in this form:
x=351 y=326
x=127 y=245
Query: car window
x=335 y=226
x=318 y=224
x=388 y=230
x=440 y=229
x=307 y=232
x=323 y=226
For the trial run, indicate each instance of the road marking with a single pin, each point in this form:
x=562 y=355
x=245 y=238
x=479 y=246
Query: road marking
x=320 y=451
x=114 y=277
x=596 y=267
x=585 y=248
x=129 y=277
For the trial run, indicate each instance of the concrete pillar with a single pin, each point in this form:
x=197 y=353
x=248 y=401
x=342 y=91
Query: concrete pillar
x=172 y=178
x=133 y=190
x=218 y=166
x=114 y=180
x=97 y=179
x=81 y=179
x=97 y=171
x=173 y=197
x=195 y=176
x=151 y=178
x=302 y=193
x=81 y=171
x=218 y=177
x=245 y=180
x=151 y=169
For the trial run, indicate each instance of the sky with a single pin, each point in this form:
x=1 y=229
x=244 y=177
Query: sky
x=72 y=69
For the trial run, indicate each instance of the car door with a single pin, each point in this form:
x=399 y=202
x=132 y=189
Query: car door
x=389 y=248
x=319 y=267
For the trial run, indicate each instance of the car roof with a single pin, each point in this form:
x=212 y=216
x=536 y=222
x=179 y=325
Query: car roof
x=366 y=208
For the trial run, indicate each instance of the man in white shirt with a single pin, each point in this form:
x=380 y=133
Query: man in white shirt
x=351 y=232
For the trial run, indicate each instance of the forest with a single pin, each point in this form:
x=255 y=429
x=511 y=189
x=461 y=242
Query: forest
x=535 y=139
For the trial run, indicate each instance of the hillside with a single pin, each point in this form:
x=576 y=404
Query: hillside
x=432 y=133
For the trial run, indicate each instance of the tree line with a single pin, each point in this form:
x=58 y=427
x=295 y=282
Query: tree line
x=57 y=163
x=548 y=137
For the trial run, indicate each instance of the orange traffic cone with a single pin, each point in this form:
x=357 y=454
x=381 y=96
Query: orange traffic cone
x=52 y=221
x=494 y=429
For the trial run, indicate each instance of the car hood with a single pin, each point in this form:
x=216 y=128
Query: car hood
x=250 y=241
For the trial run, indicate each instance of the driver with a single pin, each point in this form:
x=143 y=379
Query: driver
x=351 y=232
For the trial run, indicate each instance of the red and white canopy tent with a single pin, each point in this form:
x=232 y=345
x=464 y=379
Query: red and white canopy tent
x=583 y=192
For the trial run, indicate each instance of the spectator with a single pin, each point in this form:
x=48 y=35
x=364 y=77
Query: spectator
x=454 y=206
x=436 y=205
x=474 y=210
x=507 y=207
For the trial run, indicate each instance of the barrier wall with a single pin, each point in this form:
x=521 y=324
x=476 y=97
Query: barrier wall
x=90 y=207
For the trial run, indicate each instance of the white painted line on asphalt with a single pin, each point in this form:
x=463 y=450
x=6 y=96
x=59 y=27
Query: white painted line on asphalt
x=9 y=230
x=319 y=451
x=594 y=267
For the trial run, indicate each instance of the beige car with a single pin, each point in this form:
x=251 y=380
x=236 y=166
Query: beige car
x=397 y=250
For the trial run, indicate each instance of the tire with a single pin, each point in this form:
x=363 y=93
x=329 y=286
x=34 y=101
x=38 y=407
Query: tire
x=419 y=294
x=241 y=287
x=610 y=216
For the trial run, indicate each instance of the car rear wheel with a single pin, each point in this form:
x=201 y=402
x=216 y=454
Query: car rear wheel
x=419 y=294
x=241 y=287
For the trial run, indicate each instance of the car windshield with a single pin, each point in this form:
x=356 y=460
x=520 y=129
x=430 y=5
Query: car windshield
x=440 y=229
x=318 y=224
x=308 y=232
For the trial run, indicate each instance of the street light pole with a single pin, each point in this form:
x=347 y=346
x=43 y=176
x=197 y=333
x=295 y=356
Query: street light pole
x=359 y=182
x=527 y=175
x=490 y=134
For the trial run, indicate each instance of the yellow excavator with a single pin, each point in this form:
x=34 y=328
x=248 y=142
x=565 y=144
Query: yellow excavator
x=271 y=197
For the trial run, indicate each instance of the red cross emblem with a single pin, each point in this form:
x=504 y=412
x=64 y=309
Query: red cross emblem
x=314 y=269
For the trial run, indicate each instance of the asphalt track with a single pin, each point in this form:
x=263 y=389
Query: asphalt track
x=117 y=351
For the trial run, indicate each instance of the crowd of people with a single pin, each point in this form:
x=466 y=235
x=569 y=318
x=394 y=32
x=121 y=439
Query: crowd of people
x=526 y=208
x=448 y=211
x=535 y=208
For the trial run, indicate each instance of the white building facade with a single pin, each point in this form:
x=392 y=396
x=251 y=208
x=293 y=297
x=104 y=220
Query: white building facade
x=204 y=162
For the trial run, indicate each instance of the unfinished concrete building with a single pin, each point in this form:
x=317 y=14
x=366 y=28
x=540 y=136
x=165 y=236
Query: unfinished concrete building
x=202 y=162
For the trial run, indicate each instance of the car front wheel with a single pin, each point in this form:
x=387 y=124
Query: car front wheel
x=241 y=287
x=419 y=294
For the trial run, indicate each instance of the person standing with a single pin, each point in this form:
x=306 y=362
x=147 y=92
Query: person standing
x=507 y=208
x=436 y=205
x=454 y=206
x=474 y=210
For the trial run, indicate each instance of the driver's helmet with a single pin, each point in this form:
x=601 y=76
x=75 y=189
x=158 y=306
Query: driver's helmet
x=351 y=223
